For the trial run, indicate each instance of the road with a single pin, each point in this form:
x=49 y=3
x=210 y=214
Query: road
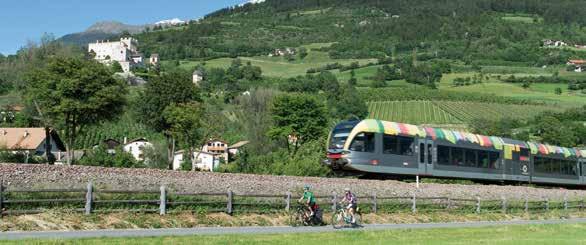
x=258 y=230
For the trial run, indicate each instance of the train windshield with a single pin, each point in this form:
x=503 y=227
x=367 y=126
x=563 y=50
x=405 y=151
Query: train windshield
x=340 y=135
x=338 y=140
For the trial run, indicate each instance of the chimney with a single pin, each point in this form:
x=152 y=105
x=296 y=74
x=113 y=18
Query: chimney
x=125 y=140
x=26 y=133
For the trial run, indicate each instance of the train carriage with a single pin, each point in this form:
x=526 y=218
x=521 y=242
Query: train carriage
x=374 y=146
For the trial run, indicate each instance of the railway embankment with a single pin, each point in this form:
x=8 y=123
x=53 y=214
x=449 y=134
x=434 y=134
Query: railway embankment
x=22 y=176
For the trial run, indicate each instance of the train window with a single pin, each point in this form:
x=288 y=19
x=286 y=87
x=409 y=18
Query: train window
x=363 y=142
x=494 y=160
x=429 y=153
x=470 y=158
x=390 y=144
x=483 y=159
x=547 y=165
x=398 y=145
x=458 y=156
x=443 y=155
x=406 y=146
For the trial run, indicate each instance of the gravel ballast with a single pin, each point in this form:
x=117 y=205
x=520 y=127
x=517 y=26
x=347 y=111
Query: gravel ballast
x=23 y=176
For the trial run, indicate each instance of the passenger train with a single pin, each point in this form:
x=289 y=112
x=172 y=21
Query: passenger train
x=380 y=147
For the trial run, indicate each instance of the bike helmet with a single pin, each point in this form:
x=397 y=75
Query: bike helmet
x=306 y=187
x=346 y=189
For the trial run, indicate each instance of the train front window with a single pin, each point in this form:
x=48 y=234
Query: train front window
x=338 y=140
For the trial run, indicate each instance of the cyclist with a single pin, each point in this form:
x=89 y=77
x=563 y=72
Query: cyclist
x=310 y=199
x=350 y=200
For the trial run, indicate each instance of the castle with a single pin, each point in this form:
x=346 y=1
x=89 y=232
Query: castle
x=124 y=52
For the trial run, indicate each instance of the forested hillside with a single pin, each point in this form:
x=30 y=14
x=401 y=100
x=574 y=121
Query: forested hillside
x=475 y=31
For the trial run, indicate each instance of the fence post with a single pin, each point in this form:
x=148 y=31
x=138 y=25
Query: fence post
x=334 y=199
x=414 y=203
x=229 y=205
x=546 y=204
x=449 y=204
x=565 y=203
x=526 y=204
x=89 y=196
x=581 y=204
x=504 y=204
x=288 y=201
x=374 y=203
x=1 y=197
x=163 y=201
x=477 y=205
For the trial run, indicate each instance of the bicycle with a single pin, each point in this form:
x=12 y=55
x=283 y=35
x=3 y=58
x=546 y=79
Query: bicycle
x=301 y=217
x=341 y=218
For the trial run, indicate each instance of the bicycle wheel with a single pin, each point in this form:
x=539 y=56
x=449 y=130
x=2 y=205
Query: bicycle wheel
x=357 y=220
x=338 y=220
x=297 y=218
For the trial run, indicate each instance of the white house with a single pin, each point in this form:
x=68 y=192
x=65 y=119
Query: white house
x=154 y=59
x=137 y=147
x=235 y=148
x=554 y=43
x=205 y=161
x=217 y=147
x=197 y=76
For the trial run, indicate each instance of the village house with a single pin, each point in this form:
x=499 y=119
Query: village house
x=110 y=144
x=154 y=59
x=554 y=43
x=578 y=65
x=217 y=147
x=30 y=141
x=282 y=52
x=125 y=52
x=204 y=161
x=197 y=77
x=235 y=148
x=211 y=155
x=137 y=147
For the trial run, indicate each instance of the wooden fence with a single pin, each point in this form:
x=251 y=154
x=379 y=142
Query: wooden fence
x=91 y=200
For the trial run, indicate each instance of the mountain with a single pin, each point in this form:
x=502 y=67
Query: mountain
x=114 y=27
x=171 y=22
x=101 y=31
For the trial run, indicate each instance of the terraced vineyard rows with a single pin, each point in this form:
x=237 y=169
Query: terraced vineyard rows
x=415 y=112
x=126 y=127
x=450 y=112
x=467 y=111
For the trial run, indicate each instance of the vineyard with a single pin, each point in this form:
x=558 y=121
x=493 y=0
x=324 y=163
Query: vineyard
x=414 y=112
x=468 y=111
x=124 y=127
x=450 y=112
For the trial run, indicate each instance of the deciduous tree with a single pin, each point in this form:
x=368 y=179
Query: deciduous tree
x=161 y=92
x=298 y=119
x=74 y=93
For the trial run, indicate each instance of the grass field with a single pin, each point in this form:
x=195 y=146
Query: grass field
x=528 y=234
x=278 y=66
x=516 y=91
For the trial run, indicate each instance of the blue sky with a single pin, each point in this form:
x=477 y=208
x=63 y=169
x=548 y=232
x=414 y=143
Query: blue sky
x=23 y=20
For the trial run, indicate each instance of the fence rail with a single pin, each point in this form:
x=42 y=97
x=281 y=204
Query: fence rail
x=91 y=200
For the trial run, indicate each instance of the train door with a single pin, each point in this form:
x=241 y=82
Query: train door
x=426 y=156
